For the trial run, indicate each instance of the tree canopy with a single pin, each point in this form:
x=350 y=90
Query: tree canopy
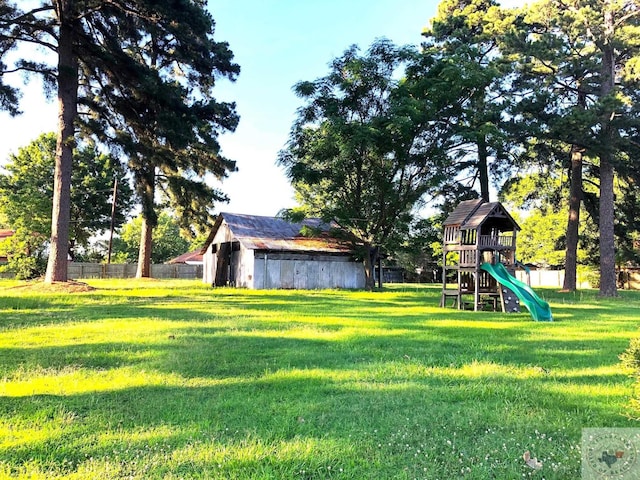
x=141 y=74
x=577 y=79
x=360 y=153
x=167 y=240
x=493 y=94
x=27 y=191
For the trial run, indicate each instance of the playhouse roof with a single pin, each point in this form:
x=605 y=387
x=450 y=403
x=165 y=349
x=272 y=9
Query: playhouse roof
x=276 y=234
x=462 y=212
x=471 y=214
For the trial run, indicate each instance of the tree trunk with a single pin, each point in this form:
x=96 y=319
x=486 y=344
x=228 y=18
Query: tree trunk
x=144 y=254
x=608 y=287
x=146 y=189
x=483 y=168
x=575 y=199
x=67 y=111
x=370 y=256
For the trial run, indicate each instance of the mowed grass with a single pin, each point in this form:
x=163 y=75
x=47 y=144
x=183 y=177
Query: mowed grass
x=174 y=379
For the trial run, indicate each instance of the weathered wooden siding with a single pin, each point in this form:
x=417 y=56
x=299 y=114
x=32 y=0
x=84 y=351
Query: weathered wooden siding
x=304 y=271
x=208 y=266
x=244 y=268
x=241 y=266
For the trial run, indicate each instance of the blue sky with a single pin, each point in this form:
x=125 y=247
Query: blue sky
x=276 y=43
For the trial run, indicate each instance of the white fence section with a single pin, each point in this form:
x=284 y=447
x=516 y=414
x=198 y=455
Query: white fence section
x=546 y=278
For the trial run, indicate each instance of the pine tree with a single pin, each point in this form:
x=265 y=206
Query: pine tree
x=463 y=35
x=133 y=51
x=570 y=53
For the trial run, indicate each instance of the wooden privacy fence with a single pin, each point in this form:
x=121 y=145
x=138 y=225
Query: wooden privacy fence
x=128 y=270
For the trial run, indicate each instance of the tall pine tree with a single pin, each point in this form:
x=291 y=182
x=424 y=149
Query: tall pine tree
x=463 y=35
x=580 y=58
x=134 y=50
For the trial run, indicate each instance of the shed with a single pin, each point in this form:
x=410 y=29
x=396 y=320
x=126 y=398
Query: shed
x=268 y=252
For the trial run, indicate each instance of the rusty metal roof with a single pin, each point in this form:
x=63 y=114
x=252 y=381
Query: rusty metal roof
x=194 y=257
x=276 y=234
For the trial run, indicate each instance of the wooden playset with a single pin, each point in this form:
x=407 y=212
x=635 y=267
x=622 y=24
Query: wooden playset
x=478 y=233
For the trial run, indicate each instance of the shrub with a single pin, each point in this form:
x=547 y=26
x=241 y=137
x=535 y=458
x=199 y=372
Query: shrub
x=25 y=254
x=631 y=356
x=590 y=275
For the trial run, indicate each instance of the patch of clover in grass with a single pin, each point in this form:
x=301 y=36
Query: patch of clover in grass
x=432 y=453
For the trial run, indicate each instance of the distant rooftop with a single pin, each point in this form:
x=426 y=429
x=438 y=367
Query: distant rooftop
x=189 y=257
x=5 y=233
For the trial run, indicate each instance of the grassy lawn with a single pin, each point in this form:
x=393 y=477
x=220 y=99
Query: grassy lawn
x=173 y=379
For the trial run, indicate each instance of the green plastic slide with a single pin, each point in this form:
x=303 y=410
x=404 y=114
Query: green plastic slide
x=538 y=308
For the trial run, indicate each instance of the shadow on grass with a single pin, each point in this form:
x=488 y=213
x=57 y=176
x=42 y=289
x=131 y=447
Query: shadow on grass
x=215 y=352
x=202 y=346
x=243 y=372
x=284 y=306
x=91 y=356
x=277 y=409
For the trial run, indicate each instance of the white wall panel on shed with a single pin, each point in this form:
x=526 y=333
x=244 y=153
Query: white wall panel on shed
x=287 y=271
x=304 y=272
x=300 y=275
x=313 y=271
x=272 y=273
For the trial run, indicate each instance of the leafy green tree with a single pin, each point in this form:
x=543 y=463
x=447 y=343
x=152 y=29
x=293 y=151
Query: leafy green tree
x=132 y=50
x=541 y=240
x=627 y=222
x=25 y=252
x=26 y=188
x=360 y=152
x=167 y=240
x=420 y=251
x=26 y=191
x=542 y=199
x=463 y=35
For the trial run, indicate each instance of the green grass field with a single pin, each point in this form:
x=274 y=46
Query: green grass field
x=173 y=379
